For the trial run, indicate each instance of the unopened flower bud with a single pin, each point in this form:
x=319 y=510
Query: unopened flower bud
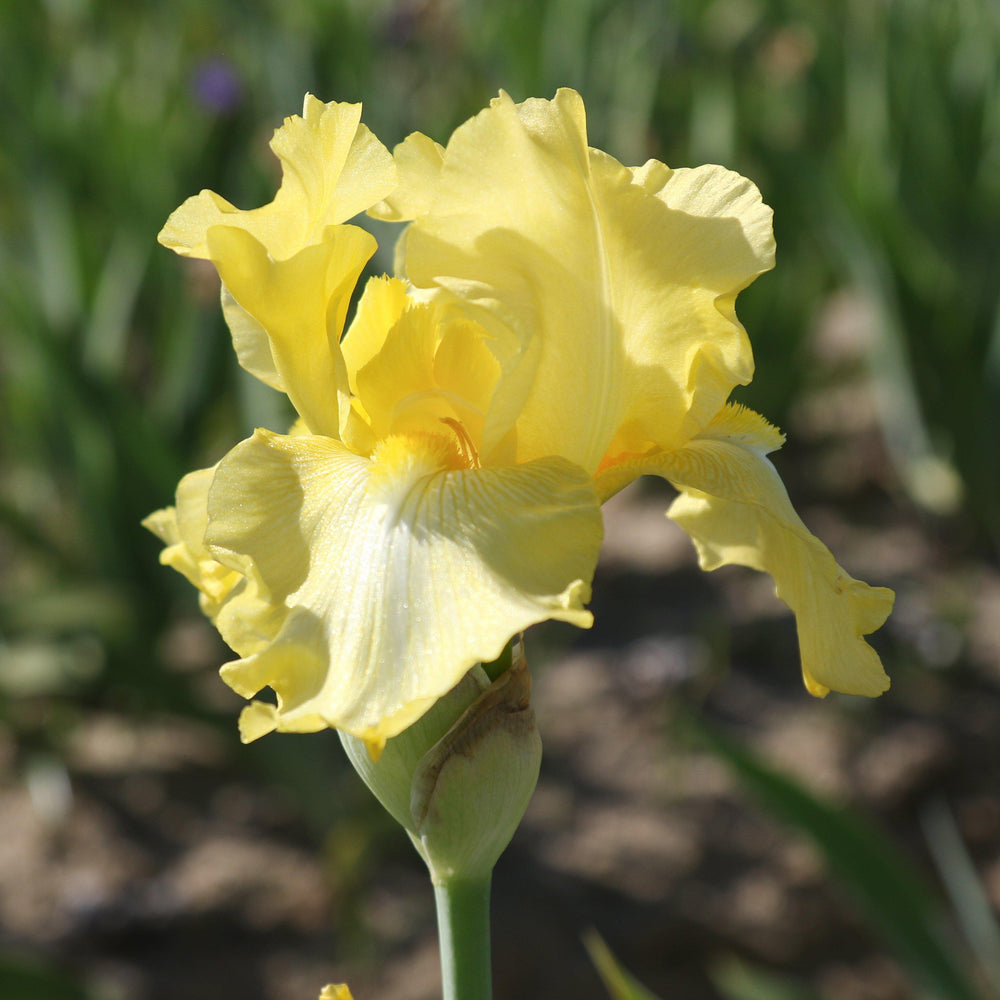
x=459 y=780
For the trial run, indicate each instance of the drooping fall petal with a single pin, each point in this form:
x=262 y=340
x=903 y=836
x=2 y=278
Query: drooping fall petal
x=609 y=292
x=230 y=594
x=393 y=576
x=735 y=508
x=181 y=528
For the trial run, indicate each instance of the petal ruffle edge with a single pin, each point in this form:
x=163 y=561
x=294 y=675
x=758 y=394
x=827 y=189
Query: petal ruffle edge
x=333 y=168
x=734 y=506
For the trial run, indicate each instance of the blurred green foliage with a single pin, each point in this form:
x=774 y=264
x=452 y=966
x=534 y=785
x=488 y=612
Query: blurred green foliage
x=619 y=983
x=22 y=980
x=885 y=887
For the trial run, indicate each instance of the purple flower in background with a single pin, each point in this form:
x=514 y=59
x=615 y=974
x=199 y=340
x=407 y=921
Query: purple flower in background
x=216 y=86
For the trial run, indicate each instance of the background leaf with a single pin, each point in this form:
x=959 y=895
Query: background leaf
x=864 y=862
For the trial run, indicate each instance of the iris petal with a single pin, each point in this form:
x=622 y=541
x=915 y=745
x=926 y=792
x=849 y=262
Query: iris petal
x=335 y=991
x=332 y=169
x=418 y=162
x=300 y=303
x=609 y=292
x=392 y=578
x=383 y=301
x=734 y=506
x=182 y=530
x=428 y=370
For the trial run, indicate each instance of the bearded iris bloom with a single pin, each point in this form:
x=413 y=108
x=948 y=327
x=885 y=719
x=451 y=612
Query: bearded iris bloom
x=561 y=325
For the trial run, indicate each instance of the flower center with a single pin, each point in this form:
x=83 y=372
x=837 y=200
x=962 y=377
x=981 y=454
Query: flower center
x=430 y=371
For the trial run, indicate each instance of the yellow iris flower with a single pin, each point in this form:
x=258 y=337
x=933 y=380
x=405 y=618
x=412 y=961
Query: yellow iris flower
x=563 y=324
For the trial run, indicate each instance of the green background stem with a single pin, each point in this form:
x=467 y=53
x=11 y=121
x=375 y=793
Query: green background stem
x=463 y=911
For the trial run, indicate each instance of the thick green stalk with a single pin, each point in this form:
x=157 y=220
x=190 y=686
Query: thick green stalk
x=463 y=911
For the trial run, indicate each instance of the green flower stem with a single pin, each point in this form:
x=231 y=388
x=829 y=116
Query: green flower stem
x=463 y=911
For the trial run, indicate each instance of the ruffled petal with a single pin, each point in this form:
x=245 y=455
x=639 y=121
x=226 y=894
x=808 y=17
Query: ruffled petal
x=608 y=292
x=300 y=303
x=230 y=594
x=418 y=163
x=708 y=238
x=332 y=169
x=393 y=577
x=182 y=530
x=734 y=505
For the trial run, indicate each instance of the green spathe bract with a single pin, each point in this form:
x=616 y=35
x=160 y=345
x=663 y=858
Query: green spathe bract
x=460 y=778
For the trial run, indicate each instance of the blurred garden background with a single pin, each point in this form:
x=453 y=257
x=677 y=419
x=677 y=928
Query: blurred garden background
x=728 y=836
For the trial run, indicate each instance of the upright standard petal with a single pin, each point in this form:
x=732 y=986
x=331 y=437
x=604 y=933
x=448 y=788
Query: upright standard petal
x=332 y=167
x=300 y=304
x=734 y=506
x=418 y=162
x=429 y=371
x=383 y=301
x=393 y=576
x=609 y=292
